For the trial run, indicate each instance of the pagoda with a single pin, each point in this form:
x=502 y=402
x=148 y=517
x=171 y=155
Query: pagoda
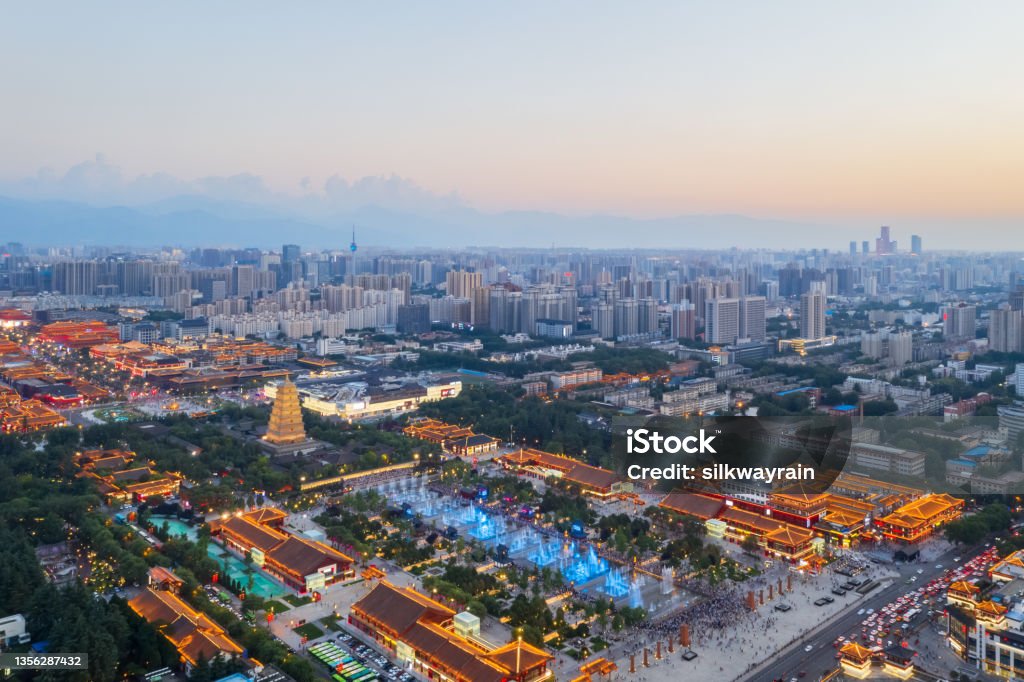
x=285 y=427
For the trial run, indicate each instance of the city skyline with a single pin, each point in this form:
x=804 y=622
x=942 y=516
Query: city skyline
x=468 y=342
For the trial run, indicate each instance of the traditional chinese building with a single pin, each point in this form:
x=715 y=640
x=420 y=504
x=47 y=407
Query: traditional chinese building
x=980 y=633
x=776 y=538
x=593 y=481
x=302 y=564
x=285 y=427
x=193 y=634
x=919 y=519
x=420 y=632
x=855 y=660
x=1009 y=568
x=693 y=505
x=455 y=439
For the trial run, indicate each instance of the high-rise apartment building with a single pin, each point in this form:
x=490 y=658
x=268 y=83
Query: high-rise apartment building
x=505 y=310
x=684 y=321
x=752 y=318
x=243 y=280
x=916 y=245
x=290 y=253
x=883 y=244
x=461 y=283
x=872 y=344
x=413 y=319
x=1005 y=330
x=722 y=320
x=812 y=312
x=959 y=321
x=1016 y=299
x=901 y=348
x=627 y=317
x=603 y=320
x=957 y=278
x=790 y=281
x=647 y=316
x=134 y=277
x=76 y=278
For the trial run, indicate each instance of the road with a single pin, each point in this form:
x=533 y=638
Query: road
x=789 y=663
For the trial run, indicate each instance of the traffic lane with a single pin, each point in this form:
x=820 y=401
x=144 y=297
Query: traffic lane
x=823 y=655
x=796 y=659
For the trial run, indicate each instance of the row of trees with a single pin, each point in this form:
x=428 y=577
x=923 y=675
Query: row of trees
x=72 y=619
x=41 y=501
x=554 y=426
x=970 y=529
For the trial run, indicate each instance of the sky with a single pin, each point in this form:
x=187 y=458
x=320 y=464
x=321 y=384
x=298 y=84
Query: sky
x=841 y=114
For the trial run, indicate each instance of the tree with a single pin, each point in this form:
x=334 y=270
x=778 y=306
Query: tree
x=750 y=544
x=477 y=608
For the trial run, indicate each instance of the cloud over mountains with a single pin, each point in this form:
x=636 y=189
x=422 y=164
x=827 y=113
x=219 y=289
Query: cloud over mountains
x=96 y=202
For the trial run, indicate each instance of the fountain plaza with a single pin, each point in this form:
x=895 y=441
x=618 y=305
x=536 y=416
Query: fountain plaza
x=579 y=565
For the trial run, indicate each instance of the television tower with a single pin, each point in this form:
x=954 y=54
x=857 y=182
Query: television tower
x=352 y=246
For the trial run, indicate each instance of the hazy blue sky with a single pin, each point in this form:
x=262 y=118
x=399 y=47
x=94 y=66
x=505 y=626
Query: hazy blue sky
x=855 y=113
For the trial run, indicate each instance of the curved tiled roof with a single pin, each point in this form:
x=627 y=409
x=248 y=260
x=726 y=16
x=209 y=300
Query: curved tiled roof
x=965 y=587
x=519 y=656
x=421 y=622
x=253 y=534
x=193 y=633
x=990 y=607
x=692 y=504
x=855 y=651
x=790 y=535
x=305 y=557
x=398 y=609
x=922 y=510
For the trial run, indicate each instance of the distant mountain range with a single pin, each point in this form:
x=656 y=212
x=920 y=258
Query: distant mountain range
x=203 y=221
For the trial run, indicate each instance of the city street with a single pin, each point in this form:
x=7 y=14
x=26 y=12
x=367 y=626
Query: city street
x=789 y=663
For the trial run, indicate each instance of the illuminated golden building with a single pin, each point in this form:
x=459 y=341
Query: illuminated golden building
x=302 y=564
x=1009 y=568
x=423 y=634
x=195 y=636
x=285 y=427
x=918 y=519
x=855 y=660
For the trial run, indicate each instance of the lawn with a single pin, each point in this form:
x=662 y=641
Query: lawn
x=276 y=605
x=309 y=630
x=296 y=600
x=331 y=623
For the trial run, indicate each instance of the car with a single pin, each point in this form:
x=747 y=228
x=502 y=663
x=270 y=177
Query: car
x=938 y=567
x=870 y=611
x=861 y=612
x=809 y=647
x=920 y=571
